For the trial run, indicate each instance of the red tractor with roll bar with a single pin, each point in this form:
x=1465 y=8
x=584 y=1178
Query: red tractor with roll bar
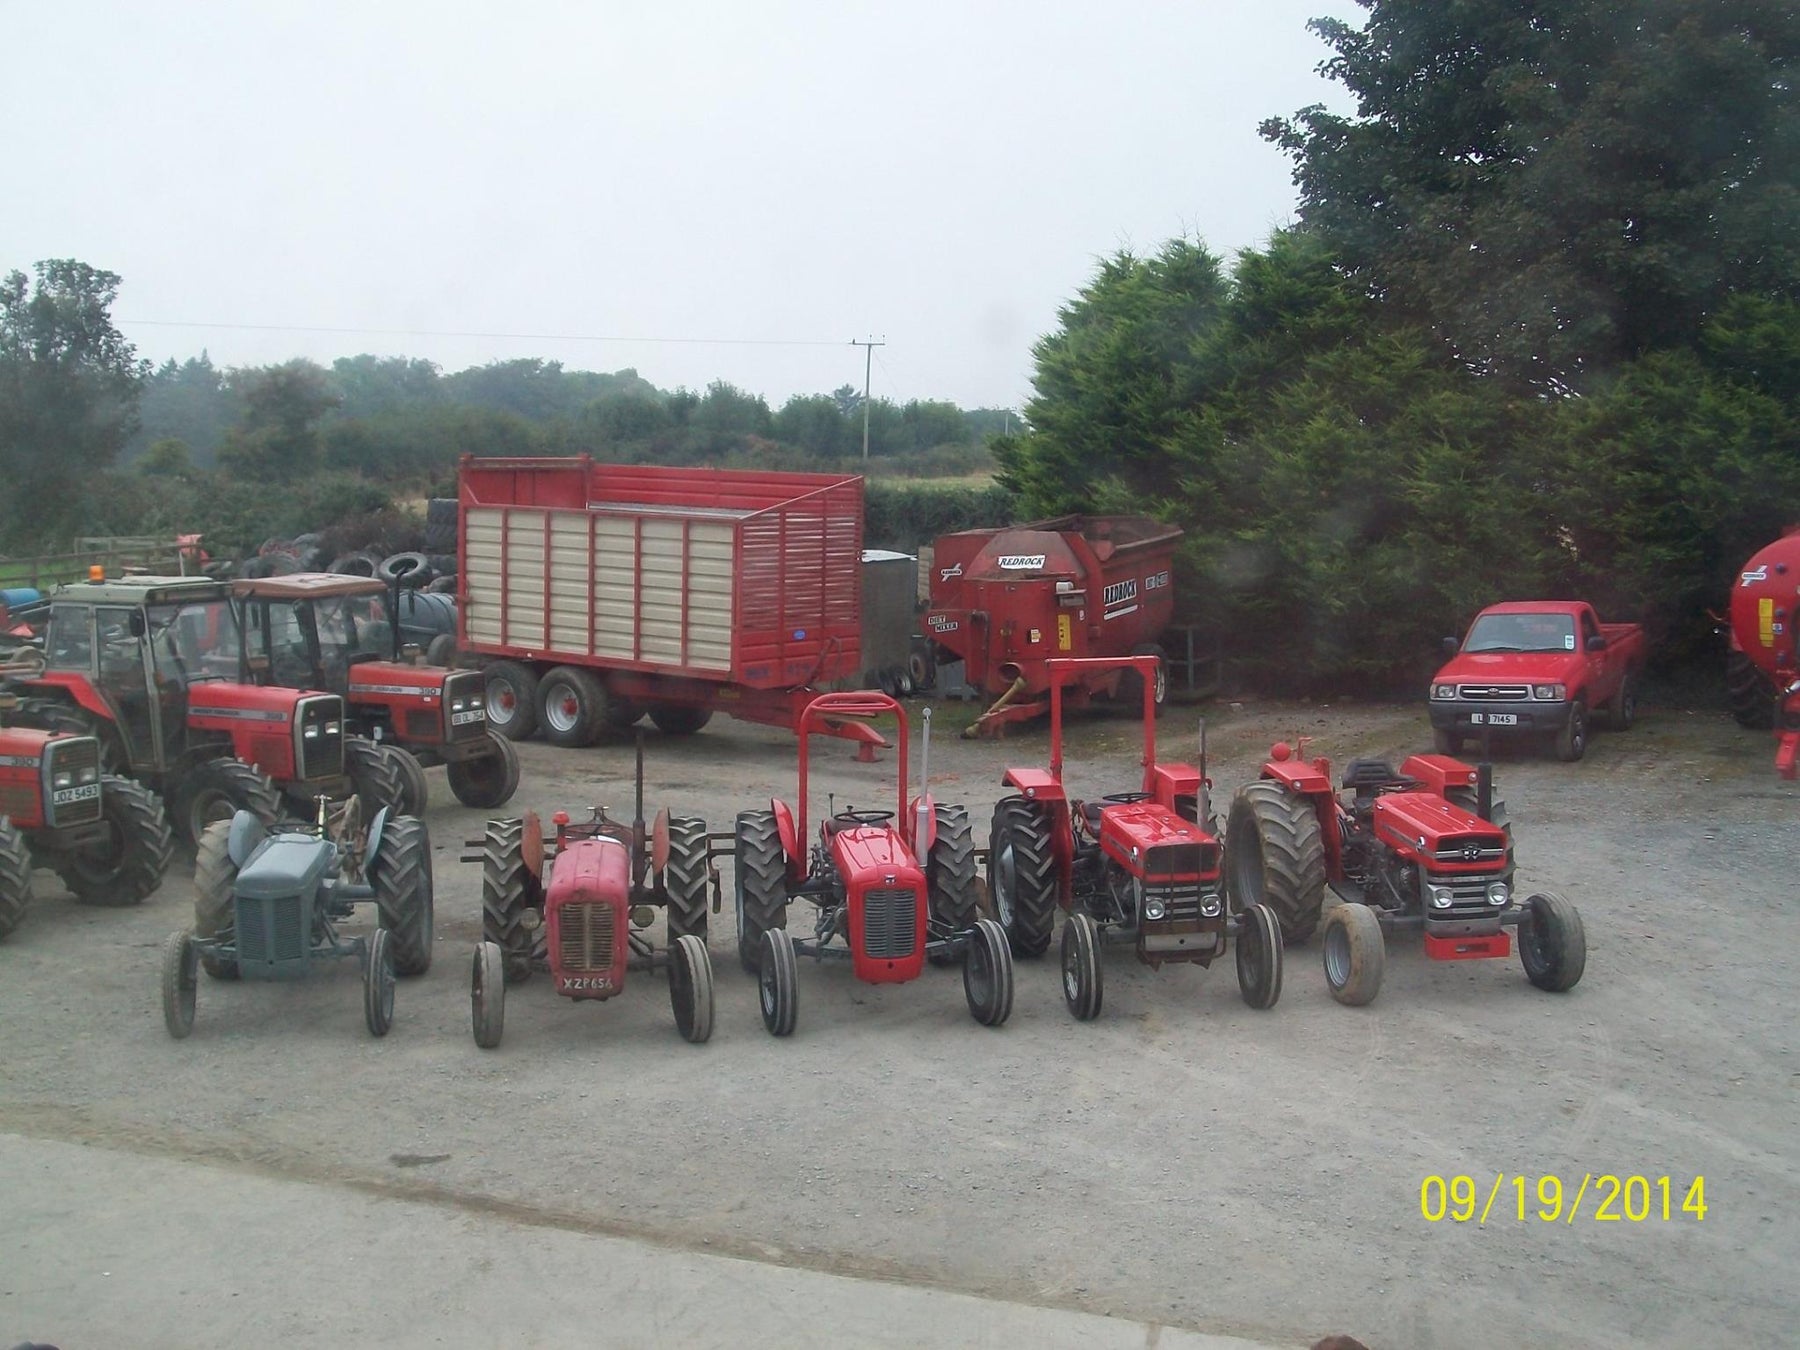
x=1140 y=867
x=897 y=887
x=1427 y=847
x=585 y=919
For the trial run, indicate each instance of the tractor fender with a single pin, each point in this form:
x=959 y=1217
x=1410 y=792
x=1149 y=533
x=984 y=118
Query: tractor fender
x=789 y=834
x=372 y=841
x=246 y=833
x=1299 y=776
x=1037 y=784
x=78 y=687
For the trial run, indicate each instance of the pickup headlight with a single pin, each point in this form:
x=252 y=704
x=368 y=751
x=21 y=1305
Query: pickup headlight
x=1551 y=693
x=1443 y=691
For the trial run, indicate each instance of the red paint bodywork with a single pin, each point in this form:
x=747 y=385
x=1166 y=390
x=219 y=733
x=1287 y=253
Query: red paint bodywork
x=870 y=857
x=258 y=721
x=589 y=872
x=1765 y=604
x=22 y=775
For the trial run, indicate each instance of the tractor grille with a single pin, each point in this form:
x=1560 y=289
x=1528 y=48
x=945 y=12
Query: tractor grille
x=271 y=932
x=319 y=732
x=1469 y=848
x=1495 y=693
x=76 y=760
x=585 y=937
x=465 y=705
x=890 y=923
x=1468 y=895
x=1181 y=899
x=1180 y=860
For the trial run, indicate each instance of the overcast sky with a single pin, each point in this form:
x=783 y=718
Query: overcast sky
x=521 y=180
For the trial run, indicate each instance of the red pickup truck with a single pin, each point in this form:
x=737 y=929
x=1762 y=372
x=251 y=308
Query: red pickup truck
x=1537 y=667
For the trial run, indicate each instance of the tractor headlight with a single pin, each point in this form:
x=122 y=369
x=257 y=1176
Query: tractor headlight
x=310 y=731
x=62 y=778
x=1498 y=893
x=1154 y=909
x=1211 y=906
x=88 y=773
x=1441 y=896
x=1444 y=691
x=1549 y=693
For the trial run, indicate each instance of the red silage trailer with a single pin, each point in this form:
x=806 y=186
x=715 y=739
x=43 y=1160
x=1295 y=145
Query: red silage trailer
x=601 y=592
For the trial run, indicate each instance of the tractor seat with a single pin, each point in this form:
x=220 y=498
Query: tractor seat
x=1366 y=777
x=1090 y=812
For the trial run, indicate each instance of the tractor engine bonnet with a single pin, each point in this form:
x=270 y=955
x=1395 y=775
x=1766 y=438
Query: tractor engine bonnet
x=1442 y=837
x=885 y=897
x=1763 y=605
x=285 y=865
x=1148 y=840
x=587 y=917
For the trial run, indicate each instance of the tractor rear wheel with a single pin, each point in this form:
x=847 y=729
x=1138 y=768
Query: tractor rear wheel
x=685 y=878
x=1571 y=741
x=403 y=891
x=1749 y=693
x=1083 y=977
x=761 y=880
x=1259 y=957
x=988 y=974
x=1552 y=943
x=950 y=876
x=1275 y=856
x=691 y=988
x=1022 y=874
x=378 y=982
x=487 y=995
x=180 y=981
x=571 y=707
x=512 y=699
x=1355 y=954
x=15 y=877
x=415 y=792
x=215 y=878
x=217 y=789
x=511 y=898
x=679 y=719
x=488 y=780
x=128 y=864
x=778 y=983
x=375 y=777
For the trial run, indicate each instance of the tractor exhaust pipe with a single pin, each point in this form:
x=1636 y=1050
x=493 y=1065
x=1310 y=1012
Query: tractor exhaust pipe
x=1484 y=790
x=1203 y=798
x=638 y=851
x=921 y=809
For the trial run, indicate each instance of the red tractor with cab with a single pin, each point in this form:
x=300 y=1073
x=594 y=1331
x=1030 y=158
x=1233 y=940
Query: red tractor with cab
x=150 y=667
x=1140 y=867
x=1427 y=847
x=895 y=887
x=582 y=908
x=320 y=630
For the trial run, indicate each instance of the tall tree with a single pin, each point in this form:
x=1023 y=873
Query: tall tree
x=278 y=437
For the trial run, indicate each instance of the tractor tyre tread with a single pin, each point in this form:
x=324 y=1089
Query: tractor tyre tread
x=403 y=885
x=1283 y=830
x=15 y=877
x=508 y=892
x=1025 y=826
x=146 y=846
x=950 y=874
x=761 y=880
x=685 y=879
x=215 y=878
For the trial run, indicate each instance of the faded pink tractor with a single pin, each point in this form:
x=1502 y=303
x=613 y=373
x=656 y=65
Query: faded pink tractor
x=889 y=889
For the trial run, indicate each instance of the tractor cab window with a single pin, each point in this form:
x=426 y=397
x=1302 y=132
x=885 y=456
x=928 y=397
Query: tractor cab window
x=351 y=628
x=69 y=643
x=194 y=641
x=1522 y=633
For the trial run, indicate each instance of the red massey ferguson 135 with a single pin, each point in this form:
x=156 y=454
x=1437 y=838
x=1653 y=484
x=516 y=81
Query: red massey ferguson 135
x=1139 y=867
x=1427 y=847
x=895 y=891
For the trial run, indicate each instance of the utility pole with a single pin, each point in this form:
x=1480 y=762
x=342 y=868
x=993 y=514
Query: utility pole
x=868 y=360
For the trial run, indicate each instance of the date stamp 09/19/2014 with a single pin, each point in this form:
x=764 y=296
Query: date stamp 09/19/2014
x=1605 y=1198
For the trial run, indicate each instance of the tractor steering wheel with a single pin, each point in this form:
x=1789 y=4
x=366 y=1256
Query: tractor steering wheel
x=1126 y=797
x=854 y=817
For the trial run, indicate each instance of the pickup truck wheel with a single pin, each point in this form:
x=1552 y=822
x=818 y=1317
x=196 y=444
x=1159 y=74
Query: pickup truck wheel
x=1571 y=741
x=1622 y=715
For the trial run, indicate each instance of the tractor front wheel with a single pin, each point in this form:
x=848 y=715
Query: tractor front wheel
x=511 y=899
x=761 y=883
x=415 y=792
x=778 y=983
x=1552 y=943
x=487 y=995
x=489 y=780
x=1275 y=856
x=129 y=862
x=15 y=877
x=1082 y=974
x=1022 y=874
x=950 y=876
x=512 y=699
x=691 y=988
x=375 y=777
x=180 y=981
x=1259 y=957
x=217 y=789
x=378 y=982
x=403 y=892
x=1355 y=954
x=685 y=878
x=215 y=878
x=988 y=974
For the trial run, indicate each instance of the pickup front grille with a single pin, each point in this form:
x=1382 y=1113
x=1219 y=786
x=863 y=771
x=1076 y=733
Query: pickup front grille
x=890 y=923
x=271 y=932
x=1494 y=693
x=584 y=937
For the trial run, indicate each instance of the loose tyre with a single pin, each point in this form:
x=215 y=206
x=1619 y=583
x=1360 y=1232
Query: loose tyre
x=1552 y=943
x=988 y=974
x=375 y=777
x=215 y=878
x=1022 y=874
x=487 y=995
x=1571 y=741
x=180 y=980
x=571 y=707
x=1082 y=973
x=409 y=569
x=685 y=879
x=487 y=780
x=691 y=988
x=778 y=983
x=1355 y=954
x=679 y=719
x=441 y=651
x=761 y=885
x=1259 y=957
x=511 y=899
x=950 y=881
x=403 y=892
x=361 y=563
x=1275 y=856
x=512 y=700
x=15 y=877
x=217 y=789
x=378 y=983
x=415 y=792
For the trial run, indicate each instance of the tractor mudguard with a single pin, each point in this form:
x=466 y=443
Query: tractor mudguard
x=1299 y=776
x=1038 y=785
x=789 y=834
x=78 y=687
x=246 y=833
x=1438 y=773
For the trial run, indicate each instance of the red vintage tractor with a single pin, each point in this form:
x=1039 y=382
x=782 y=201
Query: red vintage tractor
x=897 y=887
x=1138 y=867
x=1427 y=847
x=586 y=920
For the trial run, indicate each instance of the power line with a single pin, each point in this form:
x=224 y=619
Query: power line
x=458 y=333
